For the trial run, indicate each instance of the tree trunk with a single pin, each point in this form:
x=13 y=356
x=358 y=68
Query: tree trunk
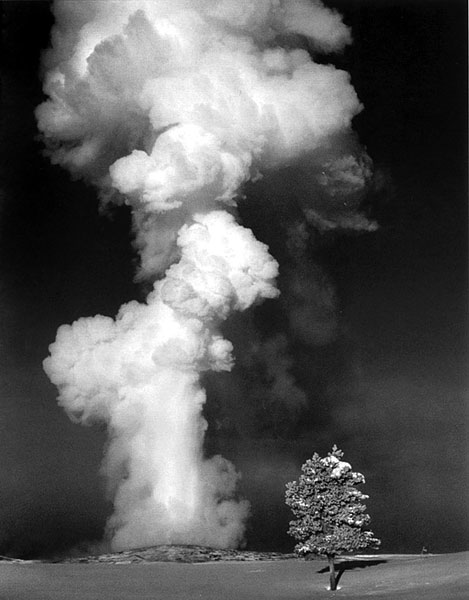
x=332 y=578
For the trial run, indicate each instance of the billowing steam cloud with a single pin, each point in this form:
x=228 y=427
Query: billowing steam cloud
x=171 y=106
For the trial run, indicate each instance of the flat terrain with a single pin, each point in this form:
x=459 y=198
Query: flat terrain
x=387 y=577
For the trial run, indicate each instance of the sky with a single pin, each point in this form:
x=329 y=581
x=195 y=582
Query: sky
x=366 y=346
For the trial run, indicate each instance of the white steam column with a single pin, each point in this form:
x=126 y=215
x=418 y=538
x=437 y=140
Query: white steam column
x=170 y=106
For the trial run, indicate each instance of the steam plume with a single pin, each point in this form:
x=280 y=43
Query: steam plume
x=170 y=107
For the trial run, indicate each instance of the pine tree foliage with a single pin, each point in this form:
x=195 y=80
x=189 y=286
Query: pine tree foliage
x=330 y=515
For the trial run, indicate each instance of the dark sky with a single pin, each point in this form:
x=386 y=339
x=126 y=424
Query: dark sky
x=390 y=389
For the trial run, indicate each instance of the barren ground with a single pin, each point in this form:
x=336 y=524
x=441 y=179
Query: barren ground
x=219 y=577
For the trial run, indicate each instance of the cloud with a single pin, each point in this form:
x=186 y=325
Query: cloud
x=170 y=108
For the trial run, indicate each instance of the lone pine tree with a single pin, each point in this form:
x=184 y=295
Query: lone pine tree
x=329 y=510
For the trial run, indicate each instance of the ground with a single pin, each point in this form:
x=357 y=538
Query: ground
x=386 y=577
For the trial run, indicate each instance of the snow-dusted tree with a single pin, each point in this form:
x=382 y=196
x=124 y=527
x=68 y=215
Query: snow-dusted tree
x=329 y=510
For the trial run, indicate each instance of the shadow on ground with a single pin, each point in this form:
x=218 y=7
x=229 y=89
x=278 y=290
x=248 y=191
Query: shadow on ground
x=348 y=565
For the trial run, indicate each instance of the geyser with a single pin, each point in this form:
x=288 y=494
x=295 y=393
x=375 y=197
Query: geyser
x=170 y=106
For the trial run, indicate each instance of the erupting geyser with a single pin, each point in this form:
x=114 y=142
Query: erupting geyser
x=170 y=106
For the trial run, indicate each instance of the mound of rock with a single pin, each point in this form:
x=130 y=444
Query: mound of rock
x=182 y=554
